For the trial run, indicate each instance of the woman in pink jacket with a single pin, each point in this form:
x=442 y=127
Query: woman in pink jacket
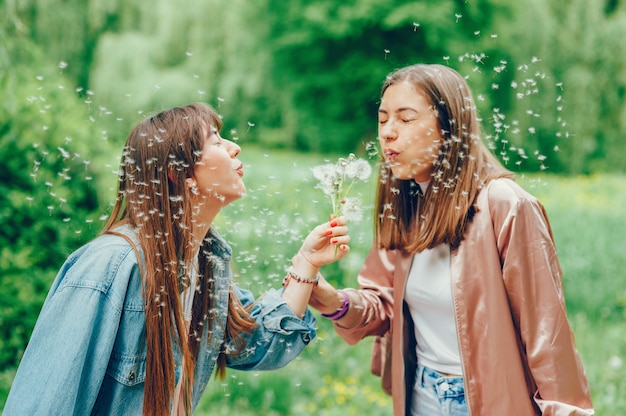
x=462 y=287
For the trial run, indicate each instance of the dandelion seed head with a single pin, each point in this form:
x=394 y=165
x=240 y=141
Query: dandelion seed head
x=331 y=178
x=359 y=169
x=352 y=209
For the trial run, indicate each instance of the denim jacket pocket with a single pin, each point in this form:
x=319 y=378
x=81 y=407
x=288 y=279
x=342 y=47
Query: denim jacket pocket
x=128 y=370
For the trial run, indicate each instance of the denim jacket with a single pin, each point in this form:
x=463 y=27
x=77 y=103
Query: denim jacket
x=87 y=352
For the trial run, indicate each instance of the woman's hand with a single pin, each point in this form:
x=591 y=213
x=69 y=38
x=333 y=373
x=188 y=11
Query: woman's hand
x=326 y=243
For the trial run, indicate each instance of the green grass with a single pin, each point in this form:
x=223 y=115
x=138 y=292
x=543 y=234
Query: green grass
x=331 y=378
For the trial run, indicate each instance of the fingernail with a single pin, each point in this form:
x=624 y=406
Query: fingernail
x=333 y=241
x=329 y=232
x=333 y=224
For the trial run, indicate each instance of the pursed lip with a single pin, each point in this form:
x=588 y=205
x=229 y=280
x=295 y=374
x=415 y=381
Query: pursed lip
x=390 y=154
x=240 y=169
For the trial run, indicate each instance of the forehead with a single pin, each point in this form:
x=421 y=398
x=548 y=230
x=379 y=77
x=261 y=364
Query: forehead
x=403 y=94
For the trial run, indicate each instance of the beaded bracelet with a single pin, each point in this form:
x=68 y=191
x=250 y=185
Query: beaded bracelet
x=341 y=311
x=291 y=274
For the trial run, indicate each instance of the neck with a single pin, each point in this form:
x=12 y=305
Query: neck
x=203 y=217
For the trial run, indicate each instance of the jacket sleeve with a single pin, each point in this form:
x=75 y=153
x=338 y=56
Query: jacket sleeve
x=66 y=359
x=279 y=337
x=533 y=280
x=371 y=306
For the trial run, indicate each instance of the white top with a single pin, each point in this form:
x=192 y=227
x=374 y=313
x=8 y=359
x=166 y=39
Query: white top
x=429 y=297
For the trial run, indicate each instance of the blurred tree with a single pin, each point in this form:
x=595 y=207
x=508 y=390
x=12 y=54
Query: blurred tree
x=557 y=96
x=307 y=74
x=331 y=59
x=196 y=50
x=585 y=46
x=53 y=159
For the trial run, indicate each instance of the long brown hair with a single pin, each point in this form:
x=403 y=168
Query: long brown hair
x=160 y=154
x=411 y=220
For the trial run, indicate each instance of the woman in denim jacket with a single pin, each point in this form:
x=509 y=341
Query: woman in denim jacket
x=138 y=319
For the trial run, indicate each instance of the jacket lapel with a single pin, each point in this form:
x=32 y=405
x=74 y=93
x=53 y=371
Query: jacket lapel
x=399 y=343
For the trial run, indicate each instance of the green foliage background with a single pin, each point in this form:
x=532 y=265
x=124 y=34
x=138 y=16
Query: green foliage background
x=299 y=81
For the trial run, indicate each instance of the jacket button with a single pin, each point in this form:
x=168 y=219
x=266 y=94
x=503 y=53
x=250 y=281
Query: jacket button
x=131 y=376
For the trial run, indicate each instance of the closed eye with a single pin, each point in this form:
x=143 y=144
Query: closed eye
x=215 y=138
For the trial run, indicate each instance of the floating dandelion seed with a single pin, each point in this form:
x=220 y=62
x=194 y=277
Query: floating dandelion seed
x=64 y=153
x=415 y=26
x=615 y=362
x=372 y=149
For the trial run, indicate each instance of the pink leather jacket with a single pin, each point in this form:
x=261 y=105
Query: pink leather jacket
x=517 y=347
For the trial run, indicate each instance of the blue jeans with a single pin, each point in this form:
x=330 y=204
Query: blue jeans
x=437 y=395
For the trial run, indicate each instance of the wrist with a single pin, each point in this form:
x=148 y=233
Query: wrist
x=292 y=275
x=343 y=304
x=303 y=267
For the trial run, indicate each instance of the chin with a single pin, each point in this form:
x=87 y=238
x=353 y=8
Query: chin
x=234 y=197
x=240 y=191
x=401 y=174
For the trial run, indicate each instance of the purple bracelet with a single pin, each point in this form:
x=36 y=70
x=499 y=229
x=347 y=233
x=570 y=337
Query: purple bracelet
x=341 y=311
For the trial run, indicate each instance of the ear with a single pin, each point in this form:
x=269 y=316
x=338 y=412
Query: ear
x=191 y=183
x=171 y=175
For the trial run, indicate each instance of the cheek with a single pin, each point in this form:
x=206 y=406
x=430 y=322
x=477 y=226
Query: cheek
x=434 y=147
x=428 y=139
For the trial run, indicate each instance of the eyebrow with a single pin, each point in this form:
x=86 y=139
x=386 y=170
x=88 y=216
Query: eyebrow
x=399 y=110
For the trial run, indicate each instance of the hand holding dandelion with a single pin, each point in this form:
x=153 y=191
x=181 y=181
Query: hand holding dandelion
x=336 y=181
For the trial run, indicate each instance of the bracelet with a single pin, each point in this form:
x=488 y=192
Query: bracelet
x=291 y=274
x=341 y=311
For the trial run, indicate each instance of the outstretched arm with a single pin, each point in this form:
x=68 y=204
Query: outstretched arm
x=369 y=309
x=326 y=243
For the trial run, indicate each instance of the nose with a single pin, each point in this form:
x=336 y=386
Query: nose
x=233 y=149
x=387 y=132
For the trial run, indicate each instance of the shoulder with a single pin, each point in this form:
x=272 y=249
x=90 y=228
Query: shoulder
x=505 y=189
x=98 y=263
x=506 y=194
x=507 y=202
